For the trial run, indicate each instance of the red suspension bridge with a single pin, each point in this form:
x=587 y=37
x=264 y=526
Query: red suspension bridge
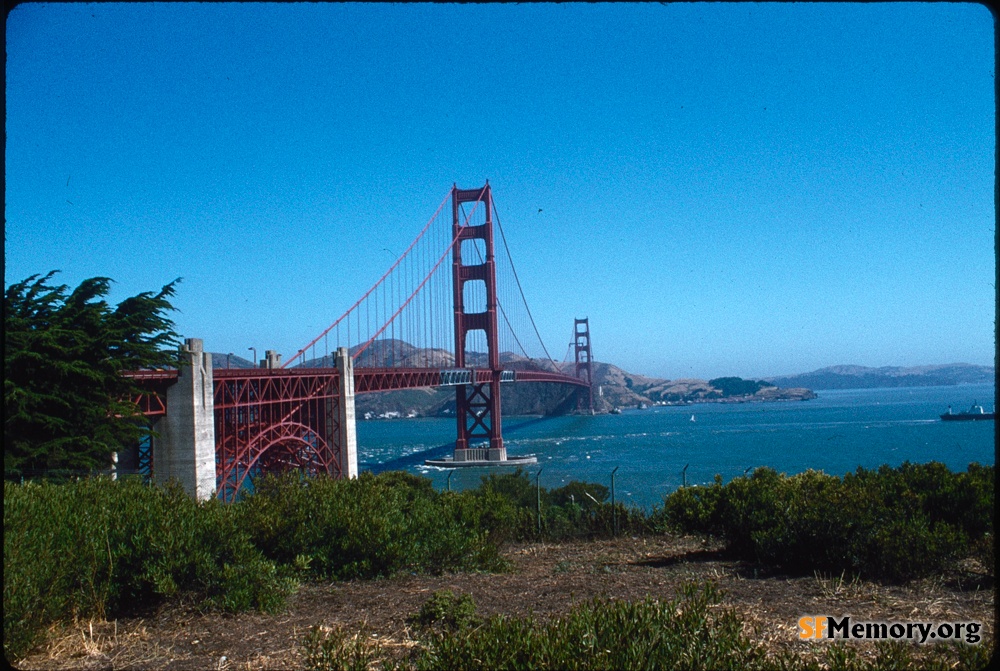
x=450 y=312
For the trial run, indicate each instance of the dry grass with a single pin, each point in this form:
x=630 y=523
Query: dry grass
x=98 y=644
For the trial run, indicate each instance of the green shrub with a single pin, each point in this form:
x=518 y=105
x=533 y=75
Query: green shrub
x=497 y=515
x=517 y=487
x=688 y=632
x=336 y=650
x=99 y=548
x=587 y=495
x=692 y=509
x=890 y=524
x=444 y=609
x=566 y=512
x=370 y=526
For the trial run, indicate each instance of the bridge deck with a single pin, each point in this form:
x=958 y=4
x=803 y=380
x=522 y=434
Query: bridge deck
x=366 y=380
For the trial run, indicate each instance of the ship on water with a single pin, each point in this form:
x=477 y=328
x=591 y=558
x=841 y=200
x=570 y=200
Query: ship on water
x=974 y=413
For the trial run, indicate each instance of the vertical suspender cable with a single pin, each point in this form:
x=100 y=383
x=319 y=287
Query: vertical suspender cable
x=518 y=281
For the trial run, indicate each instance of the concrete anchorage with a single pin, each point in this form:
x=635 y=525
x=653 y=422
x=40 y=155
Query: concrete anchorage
x=185 y=445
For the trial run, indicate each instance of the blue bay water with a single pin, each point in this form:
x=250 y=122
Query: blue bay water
x=836 y=432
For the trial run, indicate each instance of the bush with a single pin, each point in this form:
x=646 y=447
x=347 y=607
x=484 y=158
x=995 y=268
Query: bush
x=692 y=509
x=587 y=495
x=334 y=649
x=444 y=609
x=516 y=487
x=684 y=633
x=890 y=524
x=368 y=527
x=99 y=548
x=566 y=512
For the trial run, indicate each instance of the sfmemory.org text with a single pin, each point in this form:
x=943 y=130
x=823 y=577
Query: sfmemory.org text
x=829 y=627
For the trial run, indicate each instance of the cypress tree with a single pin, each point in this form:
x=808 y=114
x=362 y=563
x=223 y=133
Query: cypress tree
x=66 y=405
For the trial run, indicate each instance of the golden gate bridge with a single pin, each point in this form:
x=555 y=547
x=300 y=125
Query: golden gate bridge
x=438 y=317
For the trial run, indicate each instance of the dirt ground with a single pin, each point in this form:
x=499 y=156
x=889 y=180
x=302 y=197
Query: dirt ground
x=547 y=578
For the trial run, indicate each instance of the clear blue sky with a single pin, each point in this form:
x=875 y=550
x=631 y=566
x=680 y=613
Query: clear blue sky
x=726 y=189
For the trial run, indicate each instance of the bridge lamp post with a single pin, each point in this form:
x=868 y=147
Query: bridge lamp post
x=254 y=355
x=538 y=500
x=614 y=510
x=229 y=358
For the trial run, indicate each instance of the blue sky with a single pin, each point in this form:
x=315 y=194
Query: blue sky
x=725 y=189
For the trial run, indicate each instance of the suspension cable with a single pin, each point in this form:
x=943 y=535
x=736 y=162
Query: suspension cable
x=519 y=288
x=374 y=287
x=448 y=249
x=503 y=312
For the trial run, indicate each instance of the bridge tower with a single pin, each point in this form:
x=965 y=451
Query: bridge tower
x=477 y=405
x=584 y=371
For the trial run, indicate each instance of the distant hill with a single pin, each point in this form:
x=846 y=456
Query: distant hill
x=220 y=360
x=617 y=388
x=861 y=377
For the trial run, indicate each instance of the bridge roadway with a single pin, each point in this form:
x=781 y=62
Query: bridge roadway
x=366 y=380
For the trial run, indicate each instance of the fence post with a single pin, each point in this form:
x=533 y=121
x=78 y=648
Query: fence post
x=614 y=510
x=538 y=501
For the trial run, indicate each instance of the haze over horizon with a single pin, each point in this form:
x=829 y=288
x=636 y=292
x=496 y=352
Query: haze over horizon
x=749 y=190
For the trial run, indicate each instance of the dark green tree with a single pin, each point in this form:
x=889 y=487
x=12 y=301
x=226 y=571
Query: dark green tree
x=66 y=405
x=516 y=486
x=737 y=386
x=585 y=494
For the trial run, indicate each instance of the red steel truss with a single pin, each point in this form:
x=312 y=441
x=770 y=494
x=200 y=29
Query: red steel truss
x=269 y=420
x=272 y=420
x=153 y=402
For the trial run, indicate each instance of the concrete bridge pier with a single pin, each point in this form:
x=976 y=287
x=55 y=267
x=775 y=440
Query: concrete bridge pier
x=184 y=448
x=343 y=423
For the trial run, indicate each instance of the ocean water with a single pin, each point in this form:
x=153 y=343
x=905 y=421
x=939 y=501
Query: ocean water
x=836 y=432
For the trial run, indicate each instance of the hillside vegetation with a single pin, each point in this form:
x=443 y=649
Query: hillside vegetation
x=100 y=548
